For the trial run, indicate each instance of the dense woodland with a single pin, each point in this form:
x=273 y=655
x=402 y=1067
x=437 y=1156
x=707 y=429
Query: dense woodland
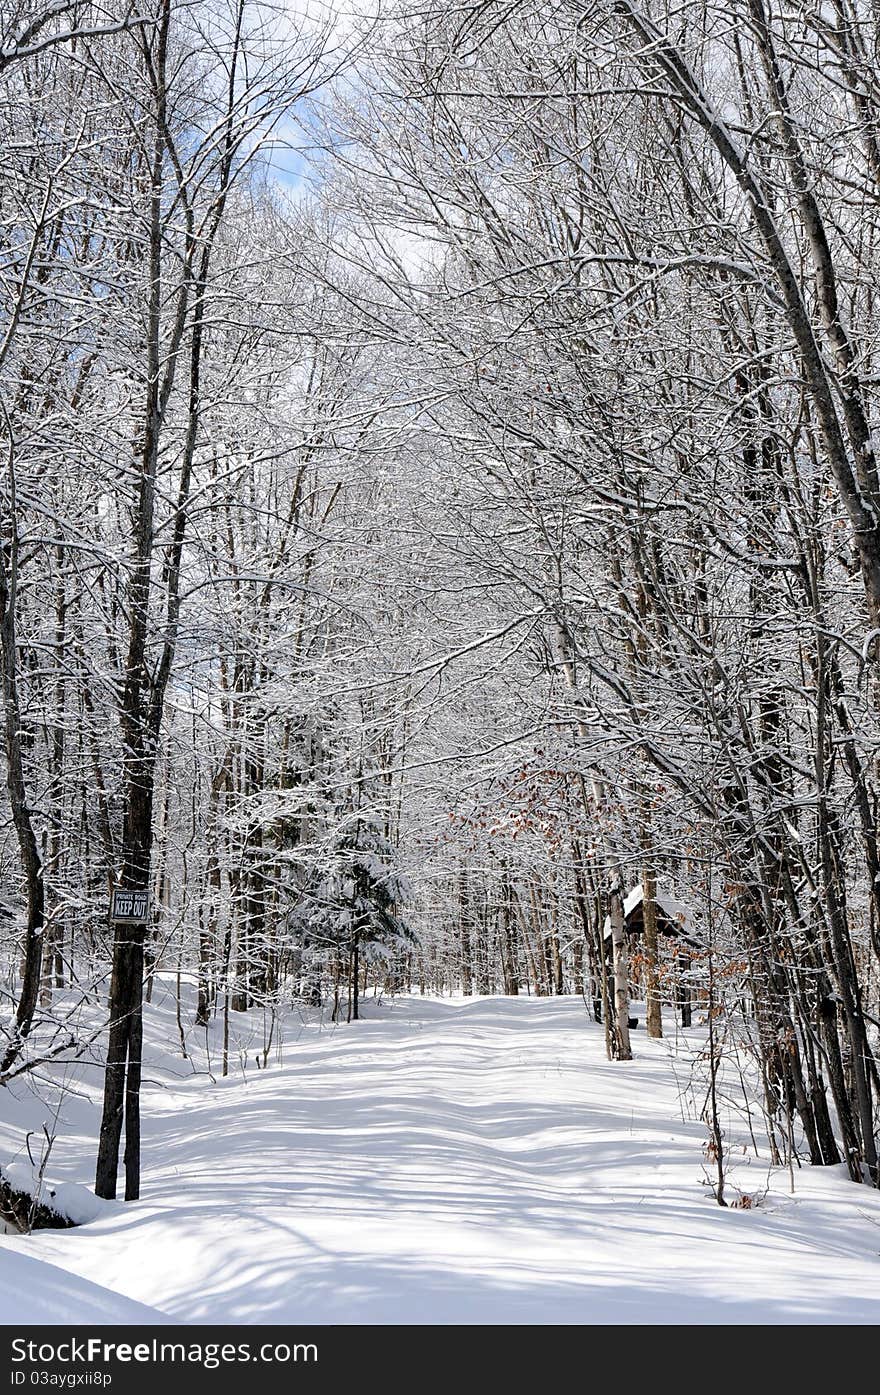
x=439 y=495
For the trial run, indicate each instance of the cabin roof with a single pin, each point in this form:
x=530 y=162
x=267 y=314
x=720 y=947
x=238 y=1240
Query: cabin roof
x=679 y=917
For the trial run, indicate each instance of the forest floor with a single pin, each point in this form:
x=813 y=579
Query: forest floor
x=473 y=1161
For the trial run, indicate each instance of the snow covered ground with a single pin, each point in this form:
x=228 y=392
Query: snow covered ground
x=466 y=1161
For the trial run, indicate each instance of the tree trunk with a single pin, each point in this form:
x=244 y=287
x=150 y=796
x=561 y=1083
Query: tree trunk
x=622 y=1050
x=29 y=854
x=654 y=1016
x=355 y=986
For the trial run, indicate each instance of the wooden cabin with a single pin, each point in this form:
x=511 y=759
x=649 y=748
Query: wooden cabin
x=675 y=921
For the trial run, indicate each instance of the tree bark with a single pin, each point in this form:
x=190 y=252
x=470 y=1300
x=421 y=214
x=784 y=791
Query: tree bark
x=654 y=1015
x=623 y=1049
x=29 y=853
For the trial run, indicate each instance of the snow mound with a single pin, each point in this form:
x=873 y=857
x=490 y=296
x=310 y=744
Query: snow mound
x=37 y=1292
x=71 y=1200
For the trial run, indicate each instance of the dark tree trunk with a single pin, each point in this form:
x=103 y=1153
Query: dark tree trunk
x=29 y=853
x=684 y=992
x=123 y=1068
x=141 y=715
x=653 y=1010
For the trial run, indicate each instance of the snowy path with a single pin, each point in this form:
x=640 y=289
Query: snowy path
x=463 y=1162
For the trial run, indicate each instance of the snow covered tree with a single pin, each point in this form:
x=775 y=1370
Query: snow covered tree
x=356 y=902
